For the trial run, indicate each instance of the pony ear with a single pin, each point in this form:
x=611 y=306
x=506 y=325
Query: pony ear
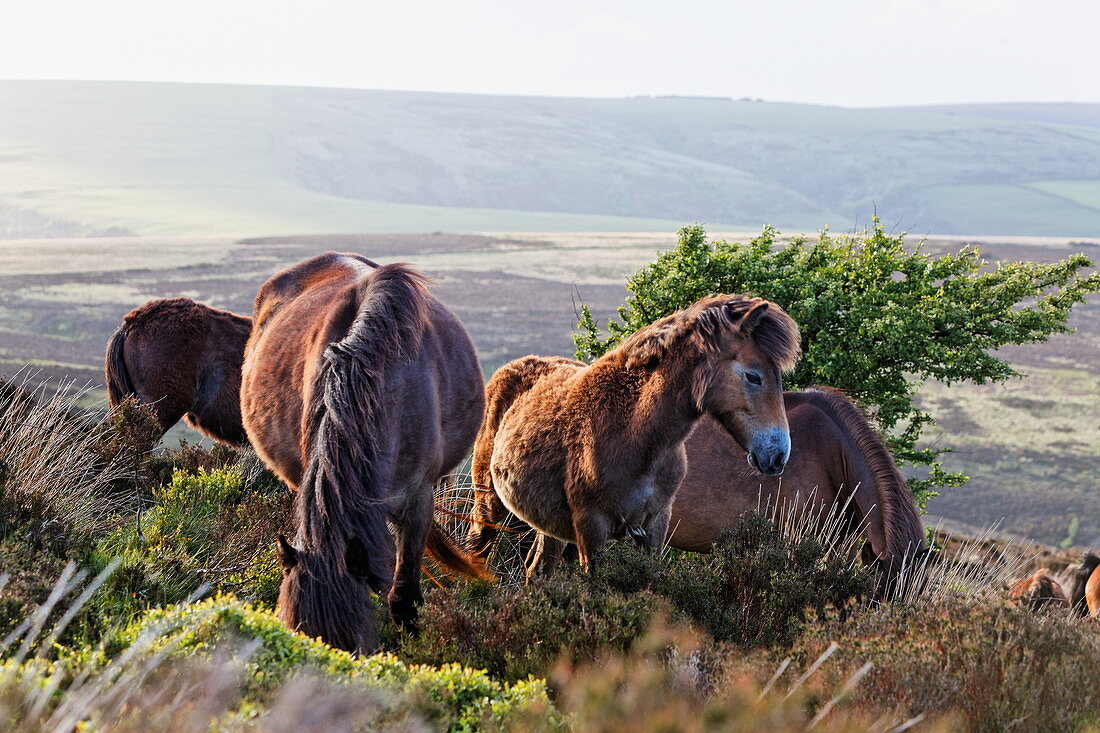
x=288 y=555
x=356 y=559
x=752 y=318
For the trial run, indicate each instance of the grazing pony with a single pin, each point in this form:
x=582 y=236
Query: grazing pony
x=360 y=390
x=1039 y=592
x=587 y=453
x=839 y=470
x=183 y=359
x=1085 y=598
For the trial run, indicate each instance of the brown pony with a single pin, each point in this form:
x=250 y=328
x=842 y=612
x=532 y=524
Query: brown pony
x=360 y=390
x=1039 y=592
x=839 y=466
x=586 y=453
x=183 y=359
x=1085 y=598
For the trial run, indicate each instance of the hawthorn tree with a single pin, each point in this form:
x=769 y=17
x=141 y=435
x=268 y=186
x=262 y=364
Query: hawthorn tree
x=877 y=318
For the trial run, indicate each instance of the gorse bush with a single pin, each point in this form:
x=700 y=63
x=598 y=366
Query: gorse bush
x=211 y=527
x=225 y=665
x=877 y=318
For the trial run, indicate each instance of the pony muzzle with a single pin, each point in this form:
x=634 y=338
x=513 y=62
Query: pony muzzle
x=770 y=451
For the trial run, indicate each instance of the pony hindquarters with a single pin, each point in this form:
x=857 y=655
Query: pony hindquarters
x=182 y=359
x=489 y=513
x=1039 y=592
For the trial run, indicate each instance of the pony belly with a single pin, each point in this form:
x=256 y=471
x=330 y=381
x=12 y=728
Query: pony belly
x=542 y=510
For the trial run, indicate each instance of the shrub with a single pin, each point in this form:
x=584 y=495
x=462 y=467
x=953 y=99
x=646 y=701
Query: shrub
x=753 y=590
x=656 y=687
x=876 y=318
x=222 y=664
x=211 y=527
x=451 y=696
x=54 y=486
x=515 y=633
x=1000 y=667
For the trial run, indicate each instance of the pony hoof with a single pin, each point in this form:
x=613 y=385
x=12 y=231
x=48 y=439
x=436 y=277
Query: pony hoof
x=406 y=614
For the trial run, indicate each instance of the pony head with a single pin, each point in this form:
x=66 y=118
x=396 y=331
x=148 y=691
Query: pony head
x=740 y=348
x=328 y=597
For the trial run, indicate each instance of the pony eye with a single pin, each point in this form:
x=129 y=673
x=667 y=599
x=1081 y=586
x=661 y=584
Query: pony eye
x=754 y=378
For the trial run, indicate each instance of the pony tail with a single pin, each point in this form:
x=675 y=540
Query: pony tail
x=348 y=423
x=1081 y=576
x=442 y=549
x=117 y=375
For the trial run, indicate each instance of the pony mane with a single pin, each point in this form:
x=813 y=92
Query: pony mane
x=901 y=525
x=698 y=327
x=1081 y=576
x=342 y=492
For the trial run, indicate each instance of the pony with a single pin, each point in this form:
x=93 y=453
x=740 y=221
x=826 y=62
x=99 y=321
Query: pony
x=1039 y=592
x=1085 y=597
x=182 y=359
x=360 y=390
x=839 y=467
x=587 y=453
x=840 y=470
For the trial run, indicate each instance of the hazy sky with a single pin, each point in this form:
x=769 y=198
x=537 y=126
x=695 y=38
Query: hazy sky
x=849 y=52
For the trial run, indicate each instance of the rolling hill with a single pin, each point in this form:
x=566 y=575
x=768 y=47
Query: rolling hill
x=114 y=158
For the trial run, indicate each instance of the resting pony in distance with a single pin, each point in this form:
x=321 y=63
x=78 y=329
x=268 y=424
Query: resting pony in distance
x=360 y=390
x=587 y=453
x=1039 y=592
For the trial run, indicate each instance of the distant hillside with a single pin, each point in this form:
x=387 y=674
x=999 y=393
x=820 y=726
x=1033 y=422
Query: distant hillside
x=110 y=158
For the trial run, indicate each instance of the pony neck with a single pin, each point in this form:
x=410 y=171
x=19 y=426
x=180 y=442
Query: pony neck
x=658 y=407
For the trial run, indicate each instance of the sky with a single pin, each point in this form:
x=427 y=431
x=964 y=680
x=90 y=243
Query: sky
x=841 y=52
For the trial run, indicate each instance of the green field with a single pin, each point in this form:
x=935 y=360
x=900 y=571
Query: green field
x=161 y=160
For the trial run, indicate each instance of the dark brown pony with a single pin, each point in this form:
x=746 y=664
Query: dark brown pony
x=586 y=453
x=360 y=390
x=839 y=466
x=1085 y=598
x=183 y=359
x=1039 y=592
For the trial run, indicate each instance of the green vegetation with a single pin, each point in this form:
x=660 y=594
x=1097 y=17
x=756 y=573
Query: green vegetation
x=877 y=319
x=754 y=591
x=767 y=631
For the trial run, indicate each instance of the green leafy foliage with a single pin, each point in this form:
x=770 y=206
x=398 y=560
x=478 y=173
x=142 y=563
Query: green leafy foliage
x=451 y=696
x=208 y=527
x=877 y=317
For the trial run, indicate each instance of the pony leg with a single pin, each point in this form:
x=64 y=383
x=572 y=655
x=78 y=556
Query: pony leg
x=657 y=528
x=591 y=531
x=487 y=516
x=410 y=534
x=543 y=556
